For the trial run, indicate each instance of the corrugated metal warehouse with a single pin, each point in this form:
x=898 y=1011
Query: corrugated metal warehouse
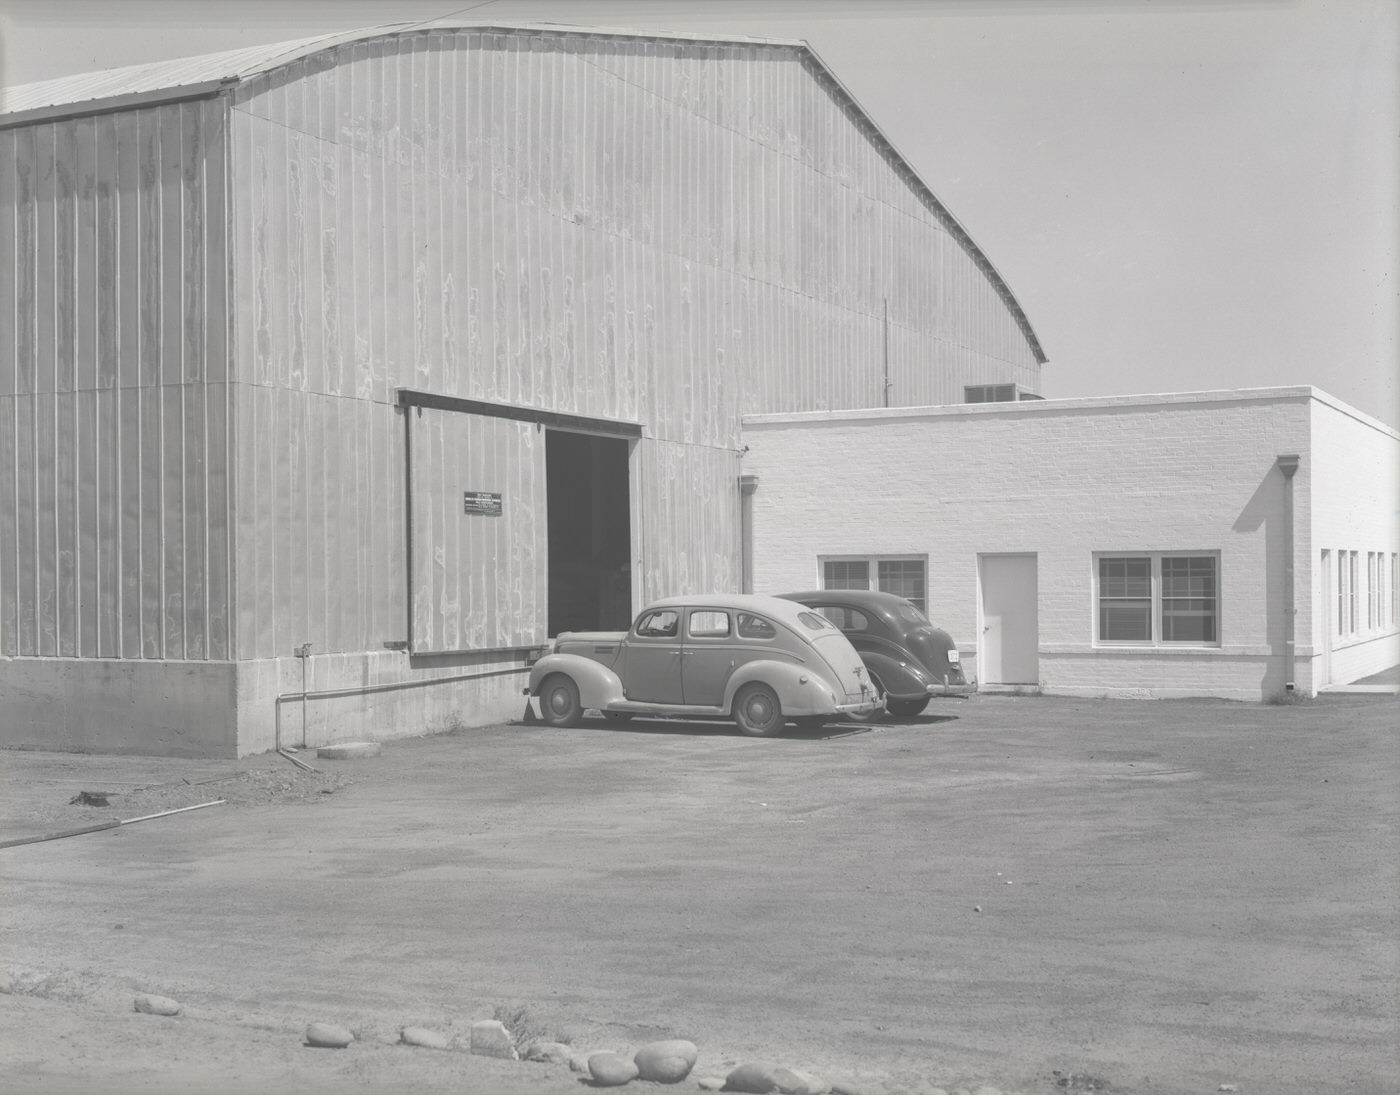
x=406 y=349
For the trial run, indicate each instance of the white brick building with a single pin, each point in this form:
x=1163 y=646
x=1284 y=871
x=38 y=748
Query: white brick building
x=1126 y=546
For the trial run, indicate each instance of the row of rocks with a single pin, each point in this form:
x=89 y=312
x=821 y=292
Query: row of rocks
x=665 y=1062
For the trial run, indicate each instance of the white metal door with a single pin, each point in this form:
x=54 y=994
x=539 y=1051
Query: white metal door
x=1010 y=651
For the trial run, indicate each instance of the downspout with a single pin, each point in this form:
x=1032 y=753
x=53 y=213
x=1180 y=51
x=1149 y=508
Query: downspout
x=747 y=485
x=1288 y=464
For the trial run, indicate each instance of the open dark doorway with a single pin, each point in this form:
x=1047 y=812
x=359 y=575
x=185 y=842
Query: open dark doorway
x=590 y=533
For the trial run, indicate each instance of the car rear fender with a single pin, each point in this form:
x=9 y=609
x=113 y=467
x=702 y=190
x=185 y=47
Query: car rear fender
x=598 y=685
x=899 y=677
x=800 y=690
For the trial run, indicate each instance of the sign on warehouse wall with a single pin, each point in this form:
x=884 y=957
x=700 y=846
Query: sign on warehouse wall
x=482 y=503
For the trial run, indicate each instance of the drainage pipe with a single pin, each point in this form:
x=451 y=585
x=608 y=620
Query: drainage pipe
x=105 y=825
x=1288 y=464
x=747 y=485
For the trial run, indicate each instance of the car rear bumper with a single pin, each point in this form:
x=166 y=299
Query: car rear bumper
x=951 y=689
x=867 y=707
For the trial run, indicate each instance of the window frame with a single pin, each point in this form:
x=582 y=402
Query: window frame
x=1353 y=592
x=1157 y=600
x=702 y=613
x=872 y=573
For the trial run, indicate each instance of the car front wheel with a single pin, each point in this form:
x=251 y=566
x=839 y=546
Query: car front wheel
x=758 y=711
x=559 y=702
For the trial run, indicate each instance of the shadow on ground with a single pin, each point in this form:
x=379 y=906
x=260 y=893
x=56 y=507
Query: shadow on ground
x=700 y=728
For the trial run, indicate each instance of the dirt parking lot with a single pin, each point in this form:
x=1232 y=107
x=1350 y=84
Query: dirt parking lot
x=1039 y=895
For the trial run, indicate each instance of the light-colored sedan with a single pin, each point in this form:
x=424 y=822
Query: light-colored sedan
x=762 y=661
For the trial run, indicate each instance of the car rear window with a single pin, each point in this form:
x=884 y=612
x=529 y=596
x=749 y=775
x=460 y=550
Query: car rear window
x=909 y=613
x=755 y=627
x=814 y=622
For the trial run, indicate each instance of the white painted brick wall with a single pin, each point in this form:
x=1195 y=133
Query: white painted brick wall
x=1065 y=479
x=1355 y=507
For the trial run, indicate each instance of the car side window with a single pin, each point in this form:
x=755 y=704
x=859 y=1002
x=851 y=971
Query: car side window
x=709 y=624
x=660 y=624
x=847 y=619
x=755 y=627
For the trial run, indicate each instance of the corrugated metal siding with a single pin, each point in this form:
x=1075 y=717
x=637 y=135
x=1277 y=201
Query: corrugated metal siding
x=476 y=577
x=673 y=233
x=319 y=535
x=686 y=546
x=113 y=440
x=664 y=232
x=601 y=226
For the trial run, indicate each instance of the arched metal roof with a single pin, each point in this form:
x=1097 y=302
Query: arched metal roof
x=207 y=74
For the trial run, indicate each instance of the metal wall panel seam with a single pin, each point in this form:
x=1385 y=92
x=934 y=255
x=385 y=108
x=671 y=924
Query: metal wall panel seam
x=9 y=517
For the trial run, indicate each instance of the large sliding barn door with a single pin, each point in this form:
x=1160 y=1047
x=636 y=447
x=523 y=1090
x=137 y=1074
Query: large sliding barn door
x=477 y=532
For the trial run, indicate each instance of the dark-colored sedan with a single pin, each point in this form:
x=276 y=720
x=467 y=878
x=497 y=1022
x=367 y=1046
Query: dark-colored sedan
x=908 y=659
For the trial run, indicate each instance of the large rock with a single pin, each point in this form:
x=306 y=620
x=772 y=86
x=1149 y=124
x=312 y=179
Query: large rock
x=610 y=1069
x=792 y=1082
x=422 y=1036
x=328 y=1036
x=151 y=1004
x=491 y=1039
x=755 y=1079
x=667 y=1062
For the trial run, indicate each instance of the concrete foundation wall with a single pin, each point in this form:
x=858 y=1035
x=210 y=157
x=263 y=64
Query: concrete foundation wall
x=180 y=709
x=231 y=709
x=1064 y=480
x=374 y=696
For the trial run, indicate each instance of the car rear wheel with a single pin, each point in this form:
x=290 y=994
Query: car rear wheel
x=906 y=709
x=758 y=711
x=559 y=702
x=879 y=712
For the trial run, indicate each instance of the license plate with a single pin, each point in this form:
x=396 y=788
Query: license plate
x=953 y=657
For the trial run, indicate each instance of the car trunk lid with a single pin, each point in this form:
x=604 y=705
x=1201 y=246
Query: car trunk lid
x=836 y=650
x=931 y=646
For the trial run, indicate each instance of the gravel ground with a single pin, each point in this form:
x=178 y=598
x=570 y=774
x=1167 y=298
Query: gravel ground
x=1028 y=894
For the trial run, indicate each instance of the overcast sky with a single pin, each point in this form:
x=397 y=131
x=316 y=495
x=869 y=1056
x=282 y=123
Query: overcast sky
x=1183 y=194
